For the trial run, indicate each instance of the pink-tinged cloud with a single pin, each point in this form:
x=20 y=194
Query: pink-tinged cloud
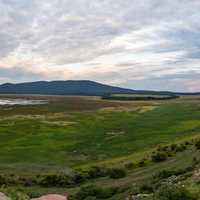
x=191 y=85
x=139 y=44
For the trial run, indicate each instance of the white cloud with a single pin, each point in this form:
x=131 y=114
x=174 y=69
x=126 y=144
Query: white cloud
x=113 y=41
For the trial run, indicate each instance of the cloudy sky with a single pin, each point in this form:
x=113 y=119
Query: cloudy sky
x=141 y=44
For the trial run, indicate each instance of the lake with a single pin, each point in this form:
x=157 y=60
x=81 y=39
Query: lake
x=21 y=102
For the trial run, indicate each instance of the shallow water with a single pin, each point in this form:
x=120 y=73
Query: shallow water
x=21 y=102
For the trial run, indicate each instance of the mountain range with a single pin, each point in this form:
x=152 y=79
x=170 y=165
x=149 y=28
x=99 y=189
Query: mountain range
x=72 y=87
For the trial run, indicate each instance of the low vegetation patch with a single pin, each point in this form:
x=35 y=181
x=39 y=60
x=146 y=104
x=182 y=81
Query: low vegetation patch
x=173 y=192
x=136 y=97
x=92 y=191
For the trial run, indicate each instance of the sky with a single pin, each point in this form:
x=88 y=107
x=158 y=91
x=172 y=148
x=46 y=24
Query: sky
x=139 y=44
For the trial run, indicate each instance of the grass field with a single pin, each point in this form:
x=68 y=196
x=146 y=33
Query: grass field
x=79 y=132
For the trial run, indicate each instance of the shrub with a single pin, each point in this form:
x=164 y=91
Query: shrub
x=35 y=193
x=173 y=147
x=18 y=196
x=86 y=191
x=187 y=143
x=91 y=191
x=104 y=193
x=164 y=174
x=130 y=165
x=80 y=177
x=15 y=194
x=28 y=181
x=55 y=179
x=146 y=188
x=9 y=180
x=3 y=180
x=197 y=144
x=163 y=148
x=181 y=148
x=96 y=171
x=172 y=192
x=117 y=173
x=159 y=156
x=141 y=163
x=195 y=160
x=91 y=198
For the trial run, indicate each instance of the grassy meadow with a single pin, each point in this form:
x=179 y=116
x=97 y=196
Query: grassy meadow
x=76 y=133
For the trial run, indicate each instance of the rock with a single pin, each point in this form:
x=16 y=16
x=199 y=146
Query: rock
x=144 y=195
x=3 y=196
x=133 y=197
x=51 y=197
x=196 y=174
x=138 y=196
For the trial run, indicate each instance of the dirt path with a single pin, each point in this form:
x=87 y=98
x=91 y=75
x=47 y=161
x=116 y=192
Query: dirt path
x=3 y=197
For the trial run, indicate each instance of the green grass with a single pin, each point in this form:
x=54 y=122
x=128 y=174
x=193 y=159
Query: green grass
x=70 y=140
x=78 y=132
x=73 y=139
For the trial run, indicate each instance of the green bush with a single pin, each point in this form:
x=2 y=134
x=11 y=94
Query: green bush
x=173 y=147
x=159 y=156
x=80 y=177
x=195 y=160
x=197 y=144
x=34 y=193
x=18 y=196
x=146 y=188
x=172 y=192
x=3 y=180
x=96 y=172
x=10 y=180
x=142 y=163
x=15 y=194
x=91 y=198
x=181 y=148
x=187 y=142
x=28 y=181
x=163 y=148
x=116 y=173
x=164 y=174
x=86 y=191
x=129 y=165
x=55 y=179
x=91 y=191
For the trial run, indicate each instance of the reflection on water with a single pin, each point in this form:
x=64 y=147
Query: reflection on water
x=21 y=102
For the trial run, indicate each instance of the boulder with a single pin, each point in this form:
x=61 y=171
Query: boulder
x=51 y=197
x=3 y=196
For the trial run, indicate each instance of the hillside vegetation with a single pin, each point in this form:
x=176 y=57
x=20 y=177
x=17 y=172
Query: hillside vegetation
x=138 y=97
x=118 y=148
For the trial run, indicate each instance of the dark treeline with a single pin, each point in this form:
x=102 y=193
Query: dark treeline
x=138 y=98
